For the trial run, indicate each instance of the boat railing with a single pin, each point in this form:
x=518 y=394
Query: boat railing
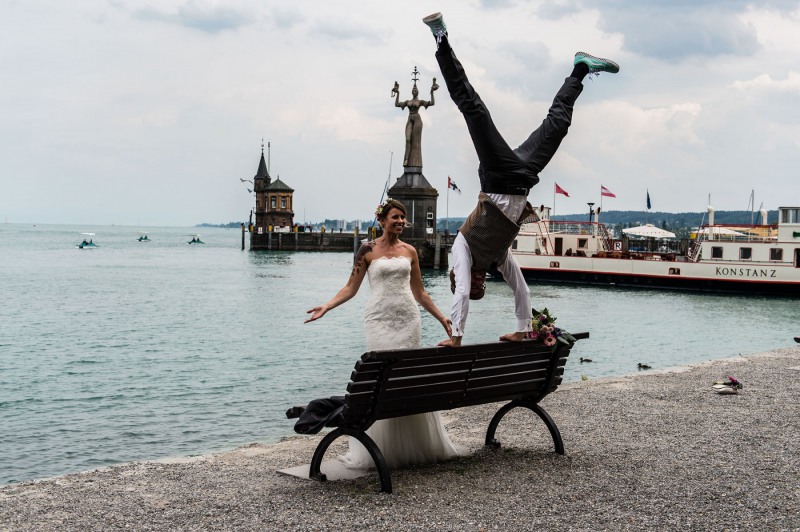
x=573 y=228
x=736 y=233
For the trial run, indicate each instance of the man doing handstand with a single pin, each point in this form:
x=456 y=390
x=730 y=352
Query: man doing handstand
x=506 y=177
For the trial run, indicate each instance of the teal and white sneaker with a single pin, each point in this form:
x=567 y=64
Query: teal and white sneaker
x=596 y=64
x=436 y=23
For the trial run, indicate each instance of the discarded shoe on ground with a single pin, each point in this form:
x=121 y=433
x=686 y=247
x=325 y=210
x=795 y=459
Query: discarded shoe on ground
x=730 y=386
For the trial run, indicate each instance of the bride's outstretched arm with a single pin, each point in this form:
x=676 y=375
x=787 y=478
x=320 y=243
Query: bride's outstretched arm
x=350 y=289
x=422 y=296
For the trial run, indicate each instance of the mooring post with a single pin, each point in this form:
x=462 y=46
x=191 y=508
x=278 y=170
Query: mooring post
x=437 y=251
x=242 y=236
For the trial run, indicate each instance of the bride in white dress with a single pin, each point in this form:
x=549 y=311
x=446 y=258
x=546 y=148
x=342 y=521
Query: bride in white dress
x=392 y=321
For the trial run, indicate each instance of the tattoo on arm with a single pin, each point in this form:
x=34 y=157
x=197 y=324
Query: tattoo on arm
x=359 y=261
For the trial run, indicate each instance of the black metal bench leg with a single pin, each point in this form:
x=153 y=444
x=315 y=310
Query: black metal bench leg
x=538 y=410
x=372 y=448
x=490 y=440
x=316 y=461
x=551 y=426
x=377 y=457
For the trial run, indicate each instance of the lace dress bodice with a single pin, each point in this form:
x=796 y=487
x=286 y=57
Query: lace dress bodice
x=391 y=318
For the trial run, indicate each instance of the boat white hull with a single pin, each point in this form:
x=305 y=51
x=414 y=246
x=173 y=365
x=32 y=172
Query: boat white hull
x=763 y=278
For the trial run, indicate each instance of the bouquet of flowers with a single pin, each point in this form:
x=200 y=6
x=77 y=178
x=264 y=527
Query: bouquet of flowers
x=544 y=330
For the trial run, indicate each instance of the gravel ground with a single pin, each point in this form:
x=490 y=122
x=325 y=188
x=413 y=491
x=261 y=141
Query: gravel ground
x=658 y=450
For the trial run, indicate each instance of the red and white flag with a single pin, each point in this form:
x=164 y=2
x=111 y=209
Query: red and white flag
x=560 y=190
x=605 y=192
x=452 y=185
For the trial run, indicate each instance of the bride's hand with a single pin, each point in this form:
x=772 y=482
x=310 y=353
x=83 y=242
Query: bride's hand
x=448 y=326
x=316 y=313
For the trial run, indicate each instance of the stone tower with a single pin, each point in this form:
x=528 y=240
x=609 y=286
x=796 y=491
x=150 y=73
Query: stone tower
x=274 y=206
x=280 y=213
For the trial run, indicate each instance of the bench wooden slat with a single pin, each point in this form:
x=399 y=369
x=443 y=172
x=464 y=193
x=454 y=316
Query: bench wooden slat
x=481 y=350
x=420 y=366
x=451 y=395
x=456 y=399
x=404 y=377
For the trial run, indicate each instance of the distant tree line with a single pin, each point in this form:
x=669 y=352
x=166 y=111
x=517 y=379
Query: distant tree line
x=229 y=225
x=679 y=223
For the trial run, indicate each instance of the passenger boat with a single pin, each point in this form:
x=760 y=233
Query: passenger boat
x=758 y=259
x=195 y=240
x=143 y=237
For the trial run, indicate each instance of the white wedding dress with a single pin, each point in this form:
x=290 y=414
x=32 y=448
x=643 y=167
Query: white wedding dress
x=392 y=321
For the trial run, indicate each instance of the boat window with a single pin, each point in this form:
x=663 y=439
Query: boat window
x=797 y=258
x=674 y=271
x=513 y=244
x=745 y=253
x=583 y=242
x=554 y=264
x=776 y=254
x=716 y=252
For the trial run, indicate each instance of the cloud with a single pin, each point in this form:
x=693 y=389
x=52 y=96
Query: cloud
x=286 y=17
x=497 y=4
x=675 y=31
x=347 y=32
x=207 y=17
x=556 y=9
x=673 y=36
x=764 y=82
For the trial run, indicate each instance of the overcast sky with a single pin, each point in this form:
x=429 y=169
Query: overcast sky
x=149 y=112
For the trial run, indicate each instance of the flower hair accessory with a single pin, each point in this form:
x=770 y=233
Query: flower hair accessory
x=381 y=207
x=544 y=330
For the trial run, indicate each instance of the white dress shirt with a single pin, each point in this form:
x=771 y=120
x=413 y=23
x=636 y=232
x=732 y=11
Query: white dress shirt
x=512 y=206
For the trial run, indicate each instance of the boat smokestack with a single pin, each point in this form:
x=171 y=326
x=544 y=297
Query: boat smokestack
x=763 y=216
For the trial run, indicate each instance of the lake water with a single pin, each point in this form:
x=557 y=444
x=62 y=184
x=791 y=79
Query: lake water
x=137 y=351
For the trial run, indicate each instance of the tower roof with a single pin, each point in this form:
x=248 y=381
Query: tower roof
x=262 y=172
x=279 y=186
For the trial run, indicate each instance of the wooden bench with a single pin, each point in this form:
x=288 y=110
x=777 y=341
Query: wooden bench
x=395 y=383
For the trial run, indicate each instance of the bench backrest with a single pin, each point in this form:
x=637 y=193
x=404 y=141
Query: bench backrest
x=393 y=383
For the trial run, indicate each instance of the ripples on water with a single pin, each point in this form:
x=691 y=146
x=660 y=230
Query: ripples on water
x=137 y=351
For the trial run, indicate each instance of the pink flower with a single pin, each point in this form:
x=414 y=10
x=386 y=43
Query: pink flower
x=550 y=340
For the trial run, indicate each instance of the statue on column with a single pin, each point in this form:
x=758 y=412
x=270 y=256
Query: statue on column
x=413 y=153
